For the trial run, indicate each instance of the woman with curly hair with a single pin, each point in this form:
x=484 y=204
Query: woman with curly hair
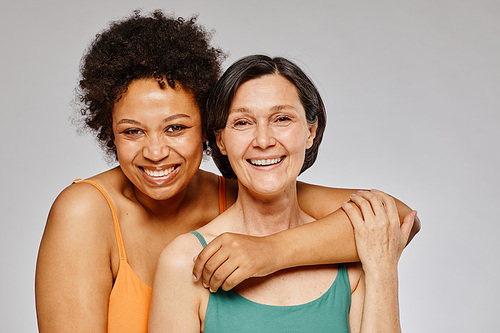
x=144 y=84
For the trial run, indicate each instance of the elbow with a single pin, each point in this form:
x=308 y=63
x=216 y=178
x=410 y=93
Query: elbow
x=417 y=225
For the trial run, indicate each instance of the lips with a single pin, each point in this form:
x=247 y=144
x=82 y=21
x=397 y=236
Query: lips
x=159 y=173
x=265 y=161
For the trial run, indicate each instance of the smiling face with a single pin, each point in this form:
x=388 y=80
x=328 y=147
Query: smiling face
x=158 y=137
x=266 y=134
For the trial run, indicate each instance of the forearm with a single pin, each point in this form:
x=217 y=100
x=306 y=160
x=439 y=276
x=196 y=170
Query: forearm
x=329 y=240
x=381 y=304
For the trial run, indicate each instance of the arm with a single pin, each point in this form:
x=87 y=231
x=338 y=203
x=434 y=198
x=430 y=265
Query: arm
x=328 y=240
x=73 y=275
x=380 y=239
x=175 y=302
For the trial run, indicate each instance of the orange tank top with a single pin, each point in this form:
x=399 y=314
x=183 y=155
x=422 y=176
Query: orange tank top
x=129 y=300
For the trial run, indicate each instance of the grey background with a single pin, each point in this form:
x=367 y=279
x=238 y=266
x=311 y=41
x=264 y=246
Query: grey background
x=412 y=92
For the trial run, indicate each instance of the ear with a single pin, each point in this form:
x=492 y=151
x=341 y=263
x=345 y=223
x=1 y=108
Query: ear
x=220 y=142
x=312 y=135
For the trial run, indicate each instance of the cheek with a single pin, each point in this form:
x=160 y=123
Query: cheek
x=295 y=137
x=125 y=149
x=236 y=142
x=189 y=146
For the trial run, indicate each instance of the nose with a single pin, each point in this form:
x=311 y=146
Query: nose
x=155 y=149
x=264 y=136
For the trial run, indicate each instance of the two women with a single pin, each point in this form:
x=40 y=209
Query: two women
x=266 y=120
x=144 y=85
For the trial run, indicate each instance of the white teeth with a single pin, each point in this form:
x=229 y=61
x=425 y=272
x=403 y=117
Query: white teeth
x=268 y=161
x=158 y=173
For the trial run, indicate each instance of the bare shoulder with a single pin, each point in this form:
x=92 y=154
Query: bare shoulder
x=79 y=207
x=176 y=299
x=79 y=228
x=73 y=275
x=175 y=266
x=180 y=252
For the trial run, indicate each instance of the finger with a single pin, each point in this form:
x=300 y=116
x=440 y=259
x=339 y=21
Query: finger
x=407 y=225
x=236 y=277
x=201 y=259
x=389 y=204
x=221 y=274
x=376 y=202
x=354 y=215
x=364 y=205
x=212 y=265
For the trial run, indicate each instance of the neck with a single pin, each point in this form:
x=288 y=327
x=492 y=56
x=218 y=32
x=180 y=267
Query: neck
x=268 y=214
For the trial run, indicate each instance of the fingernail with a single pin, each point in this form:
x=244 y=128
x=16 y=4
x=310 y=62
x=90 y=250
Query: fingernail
x=195 y=278
x=352 y=195
x=344 y=203
x=359 y=191
x=205 y=285
x=212 y=291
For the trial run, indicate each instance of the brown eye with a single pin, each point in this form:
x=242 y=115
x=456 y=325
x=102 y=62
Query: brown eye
x=282 y=120
x=241 y=123
x=132 y=131
x=175 y=128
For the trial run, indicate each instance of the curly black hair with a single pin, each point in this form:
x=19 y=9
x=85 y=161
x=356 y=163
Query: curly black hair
x=144 y=46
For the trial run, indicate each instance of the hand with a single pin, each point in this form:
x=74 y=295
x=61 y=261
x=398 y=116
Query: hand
x=232 y=258
x=380 y=238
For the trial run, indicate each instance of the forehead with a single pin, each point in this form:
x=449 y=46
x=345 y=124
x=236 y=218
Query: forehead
x=146 y=96
x=266 y=92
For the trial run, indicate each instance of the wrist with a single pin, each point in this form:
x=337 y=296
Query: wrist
x=381 y=275
x=282 y=255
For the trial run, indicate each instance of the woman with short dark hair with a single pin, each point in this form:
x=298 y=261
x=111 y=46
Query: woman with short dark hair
x=265 y=124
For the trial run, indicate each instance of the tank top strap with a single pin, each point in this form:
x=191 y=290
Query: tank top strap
x=222 y=194
x=118 y=233
x=343 y=276
x=200 y=238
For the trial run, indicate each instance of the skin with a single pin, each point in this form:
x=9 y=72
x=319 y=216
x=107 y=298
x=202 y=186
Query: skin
x=267 y=125
x=78 y=258
x=328 y=240
x=380 y=240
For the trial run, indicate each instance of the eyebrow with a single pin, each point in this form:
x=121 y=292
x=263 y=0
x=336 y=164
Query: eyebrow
x=166 y=120
x=281 y=107
x=274 y=108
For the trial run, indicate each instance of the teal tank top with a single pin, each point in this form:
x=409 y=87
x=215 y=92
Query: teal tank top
x=231 y=312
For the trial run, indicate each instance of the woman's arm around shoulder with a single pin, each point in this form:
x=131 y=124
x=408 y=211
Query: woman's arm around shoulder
x=73 y=273
x=176 y=303
x=328 y=240
x=321 y=201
